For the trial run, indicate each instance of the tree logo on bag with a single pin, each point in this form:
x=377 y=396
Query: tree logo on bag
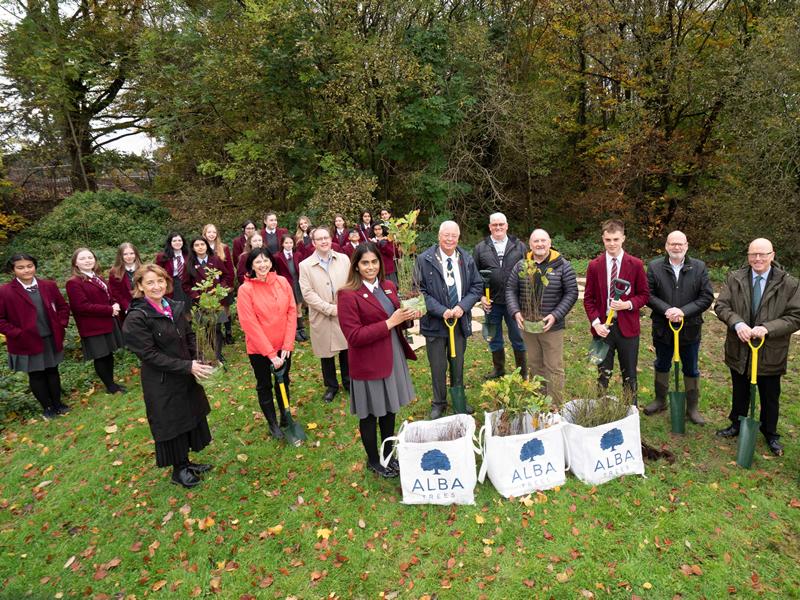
x=435 y=460
x=531 y=449
x=611 y=439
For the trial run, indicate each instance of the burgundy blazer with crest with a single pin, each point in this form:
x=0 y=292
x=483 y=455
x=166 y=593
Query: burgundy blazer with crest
x=281 y=266
x=166 y=264
x=363 y=323
x=596 y=293
x=18 y=317
x=120 y=291
x=91 y=306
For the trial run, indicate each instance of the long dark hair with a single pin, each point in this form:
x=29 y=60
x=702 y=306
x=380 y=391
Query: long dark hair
x=190 y=267
x=246 y=223
x=20 y=256
x=254 y=254
x=168 y=250
x=353 y=276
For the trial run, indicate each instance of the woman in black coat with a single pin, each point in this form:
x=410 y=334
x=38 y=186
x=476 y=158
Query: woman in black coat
x=158 y=332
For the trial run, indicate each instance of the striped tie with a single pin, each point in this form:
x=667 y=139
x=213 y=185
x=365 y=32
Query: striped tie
x=611 y=281
x=452 y=291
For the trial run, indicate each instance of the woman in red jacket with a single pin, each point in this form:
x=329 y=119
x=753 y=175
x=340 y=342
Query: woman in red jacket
x=120 y=276
x=33 y=317
x=268 y=317
x=371 y=318
x=95 y=312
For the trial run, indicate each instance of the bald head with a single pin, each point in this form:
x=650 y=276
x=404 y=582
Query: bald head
x=760 y=255
x=677 y=245
x=540 y=244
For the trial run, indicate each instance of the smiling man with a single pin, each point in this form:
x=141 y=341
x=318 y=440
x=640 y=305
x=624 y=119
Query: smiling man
x=758 y=301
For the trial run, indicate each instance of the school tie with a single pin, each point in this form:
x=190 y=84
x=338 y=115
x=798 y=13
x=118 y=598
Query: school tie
x=452 y=291
x=179 y=273
x=757 y=293
x=32 y=288
x=611 y=281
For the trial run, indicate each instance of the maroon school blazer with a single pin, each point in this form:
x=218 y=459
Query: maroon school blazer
x=91 y=306
x=18 y=317
x=596 y=293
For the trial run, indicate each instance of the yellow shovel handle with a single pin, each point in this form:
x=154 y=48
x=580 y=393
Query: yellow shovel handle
x=284 y=396
x=754 y=362
x=676 y=355
x=452 y=329
x=610 y=317
x=486 y=293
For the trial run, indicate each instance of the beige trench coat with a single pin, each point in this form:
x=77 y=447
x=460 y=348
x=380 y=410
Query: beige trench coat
x=319 y=292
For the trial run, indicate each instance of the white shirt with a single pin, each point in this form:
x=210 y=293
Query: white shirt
x=27 y=287
x=677 y=268
x=456 y=269
x=608 y=280
x=370 y=286
x=500 y=247
x=175 y=266
x=288 y=255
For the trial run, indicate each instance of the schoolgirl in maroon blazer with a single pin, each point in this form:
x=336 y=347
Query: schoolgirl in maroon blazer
x=174 y=260
x=365 y=227
x=339 y=231
x=370 y=316
x=199 y=262
x=224 y=254
x=95 y=315
x=287 y=264
x=33 y=317
x=254 y=241
x=248 y=229
x=302 y=238
x=387 y=248
x=120 y=276
x=354 y=239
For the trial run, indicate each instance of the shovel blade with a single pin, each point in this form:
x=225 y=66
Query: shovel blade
x=677 y=411
x=748 y=429
x=598 y=351
x=486 y=332
x=293 y=431
x=459 y=399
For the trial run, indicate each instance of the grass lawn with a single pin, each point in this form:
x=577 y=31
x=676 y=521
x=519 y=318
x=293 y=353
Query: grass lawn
x=84 y=513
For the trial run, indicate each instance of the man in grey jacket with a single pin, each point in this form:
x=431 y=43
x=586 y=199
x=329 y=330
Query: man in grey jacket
x=544 y=280
x=760 y=301
x=679 y=291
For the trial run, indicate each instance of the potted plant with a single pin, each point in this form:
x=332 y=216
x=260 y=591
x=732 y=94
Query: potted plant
x=207 y=313
x=533 y=283
x=403 y=232
x=521 y=440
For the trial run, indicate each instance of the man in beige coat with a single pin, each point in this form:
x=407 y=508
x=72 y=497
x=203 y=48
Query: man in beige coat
x=321 y=275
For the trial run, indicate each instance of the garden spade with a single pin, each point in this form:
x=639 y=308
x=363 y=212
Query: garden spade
x=677 y=399
x=293 y=431
x=598 y=350
x=486 y=331
x=457 y=394
x=748 y=426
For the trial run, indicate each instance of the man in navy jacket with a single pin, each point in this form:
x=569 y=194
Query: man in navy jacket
x=451 y=284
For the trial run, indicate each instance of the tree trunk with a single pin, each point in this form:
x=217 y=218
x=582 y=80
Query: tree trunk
x=77 y=136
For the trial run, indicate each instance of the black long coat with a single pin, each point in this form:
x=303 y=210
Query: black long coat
x=174 y=401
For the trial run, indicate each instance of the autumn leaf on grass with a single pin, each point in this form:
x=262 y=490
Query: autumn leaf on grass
x=111 y=429
x=324 y=533
x=206 y=523
x=318 y=575
x=271 y=531
x=691 y=570
x=159 y=584
x=479 y=519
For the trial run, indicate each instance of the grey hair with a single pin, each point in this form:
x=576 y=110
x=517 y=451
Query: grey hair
x=447 y=224
x=497 y=215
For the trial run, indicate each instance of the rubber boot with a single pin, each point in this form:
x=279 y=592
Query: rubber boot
x=692 y=387
x=268 y=408
x=300 y=336
x=521 y=360
x=499 y=364
x=228 y=332
x=661 y=386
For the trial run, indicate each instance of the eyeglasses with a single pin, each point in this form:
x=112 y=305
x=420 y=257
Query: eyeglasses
x=498 y=224
x=321 y=239
x=759 y=254
x=676 y=244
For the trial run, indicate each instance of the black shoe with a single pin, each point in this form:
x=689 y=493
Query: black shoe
x=775 y=447
x=49 y=414
x=437 y=410
x=394 y=465
x=382 y=471
x=330 y=393
x=62 y=409
x=197 y=469
x=275 y=431
x=229 y=338
x=116 y=388
x=470 y=410
x=728 y=432
x=185 y=477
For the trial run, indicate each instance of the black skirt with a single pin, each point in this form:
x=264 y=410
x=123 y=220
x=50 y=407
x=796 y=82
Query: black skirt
x=175 y=451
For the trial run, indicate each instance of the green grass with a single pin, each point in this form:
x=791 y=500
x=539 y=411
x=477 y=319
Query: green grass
x=272 y=505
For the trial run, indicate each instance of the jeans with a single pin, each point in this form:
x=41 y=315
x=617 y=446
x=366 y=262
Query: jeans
x=495 y=321
x=689 y=354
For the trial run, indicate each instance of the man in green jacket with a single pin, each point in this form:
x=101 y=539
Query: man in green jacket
x=758 y=301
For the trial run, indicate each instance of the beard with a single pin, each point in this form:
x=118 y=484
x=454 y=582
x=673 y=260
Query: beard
x=677 y=256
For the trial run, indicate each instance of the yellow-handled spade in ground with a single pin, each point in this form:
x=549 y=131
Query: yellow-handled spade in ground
x=457 y=394
x=677 y=399
x=749 y=425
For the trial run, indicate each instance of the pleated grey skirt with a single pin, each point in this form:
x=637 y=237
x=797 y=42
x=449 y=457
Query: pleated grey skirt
x=380 y=396
x=46 y=359
x=98 y=346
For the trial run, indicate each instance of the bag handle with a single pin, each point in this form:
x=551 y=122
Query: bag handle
x=484 y=462
x=385 y=459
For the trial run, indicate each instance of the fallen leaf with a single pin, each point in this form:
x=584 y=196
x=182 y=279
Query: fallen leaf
x=275 y=530
x=241 y=457
x=69 y=562
x=159 y=584
x=216 y=585
x=324 y=533
x=111 y=429
x=647 y=585
x=311 y=426
x=479 y=519
x=361 y=523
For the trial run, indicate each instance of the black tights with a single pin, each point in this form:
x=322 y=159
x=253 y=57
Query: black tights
x=369 y=435
x=104 y=367
x=46 y=387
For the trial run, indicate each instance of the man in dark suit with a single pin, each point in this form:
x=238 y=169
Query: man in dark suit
x=451 y=285
x=759 y=301
x=679 y=291
x=623 y=335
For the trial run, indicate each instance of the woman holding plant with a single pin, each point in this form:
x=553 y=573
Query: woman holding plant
x=157 y=331
x=371 y=318
x=268 y=316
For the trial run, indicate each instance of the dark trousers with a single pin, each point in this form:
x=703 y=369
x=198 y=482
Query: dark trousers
x=627 y=350
x=769 y=392
x=46 y=387
x=438 y=351
x=689 y=354
x=329 y=371
x=497 y=314
x=264 y=383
